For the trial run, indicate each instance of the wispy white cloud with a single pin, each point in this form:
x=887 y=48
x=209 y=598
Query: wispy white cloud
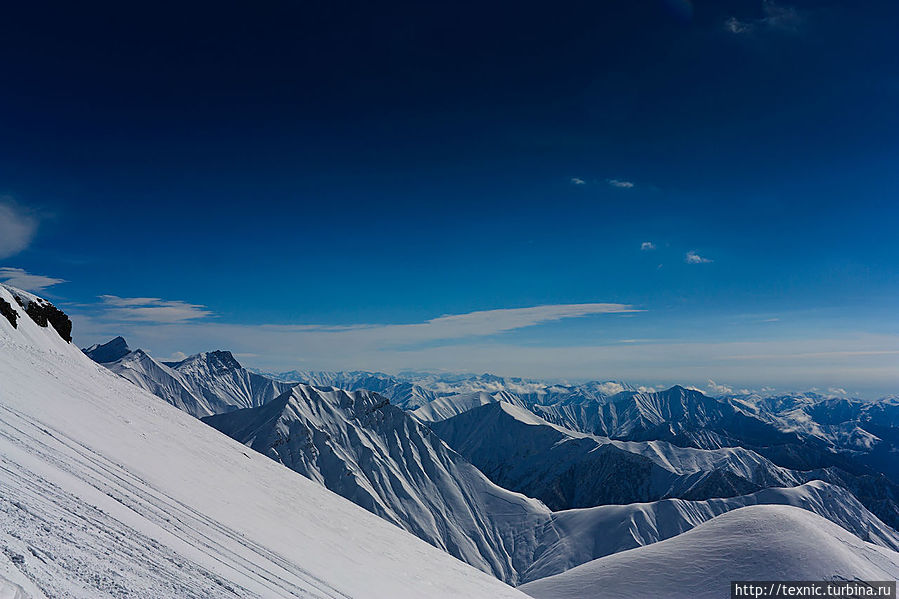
x=458 y=326
x=736 y=26
x=837 y=391
x=151 y=309
x=620 y=183
x=775 y=17
x=647 y=246
x=18 y=277
x=719 y=389
x=610 y=388
x=693 y=258
x=17 y=228
x=578 y=181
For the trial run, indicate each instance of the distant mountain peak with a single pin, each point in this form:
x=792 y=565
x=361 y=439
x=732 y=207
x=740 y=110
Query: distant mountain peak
x=112 y=350
x=218 y=361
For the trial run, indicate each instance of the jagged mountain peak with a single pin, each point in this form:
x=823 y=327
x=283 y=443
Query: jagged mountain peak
x=355 y=403
x=218 y=361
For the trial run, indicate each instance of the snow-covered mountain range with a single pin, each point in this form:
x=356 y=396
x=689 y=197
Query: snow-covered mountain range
x=562 y=489
x=201 y=385
x=356 y=443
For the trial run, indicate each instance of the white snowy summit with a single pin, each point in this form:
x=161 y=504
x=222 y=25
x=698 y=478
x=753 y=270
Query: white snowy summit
x=110 y=492
x=201 y=385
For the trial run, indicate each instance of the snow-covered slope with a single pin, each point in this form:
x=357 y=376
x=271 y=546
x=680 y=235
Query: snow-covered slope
x=201 y=385
x=751 y=543
x=109 y=492
x=587 y=534
x=375 y=454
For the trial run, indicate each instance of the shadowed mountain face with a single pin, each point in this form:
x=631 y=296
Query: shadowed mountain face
x=104 y=353
x=565 y=469
x=684 y=417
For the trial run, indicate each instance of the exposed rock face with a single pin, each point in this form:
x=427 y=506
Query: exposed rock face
x=42 y=312
x=8 y=312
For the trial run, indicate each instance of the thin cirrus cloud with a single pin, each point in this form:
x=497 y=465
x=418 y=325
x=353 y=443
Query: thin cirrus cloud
x=457 y=326
x=151 y=309
x=17 y=228
x=619 y=183
x=22 y=279
x=577 y=181
x=363 y=345
x=693 y=258
x=718 y=388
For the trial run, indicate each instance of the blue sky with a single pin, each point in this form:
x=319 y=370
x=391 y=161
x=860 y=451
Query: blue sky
x=652 y=191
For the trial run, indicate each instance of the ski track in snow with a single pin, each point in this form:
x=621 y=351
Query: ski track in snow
x=108 y=492
x=44 y=517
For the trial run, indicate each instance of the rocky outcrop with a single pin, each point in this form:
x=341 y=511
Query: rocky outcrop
x=8 y=312
x=43 y=313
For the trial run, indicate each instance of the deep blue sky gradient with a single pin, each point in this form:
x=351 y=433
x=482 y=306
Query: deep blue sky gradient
x=356 y=163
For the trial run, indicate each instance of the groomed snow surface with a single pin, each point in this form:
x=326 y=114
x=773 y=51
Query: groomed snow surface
x=106 y=491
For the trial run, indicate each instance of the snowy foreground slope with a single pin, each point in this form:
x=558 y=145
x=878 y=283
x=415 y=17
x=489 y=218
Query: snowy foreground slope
x=751 y=543
x=109 y=492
